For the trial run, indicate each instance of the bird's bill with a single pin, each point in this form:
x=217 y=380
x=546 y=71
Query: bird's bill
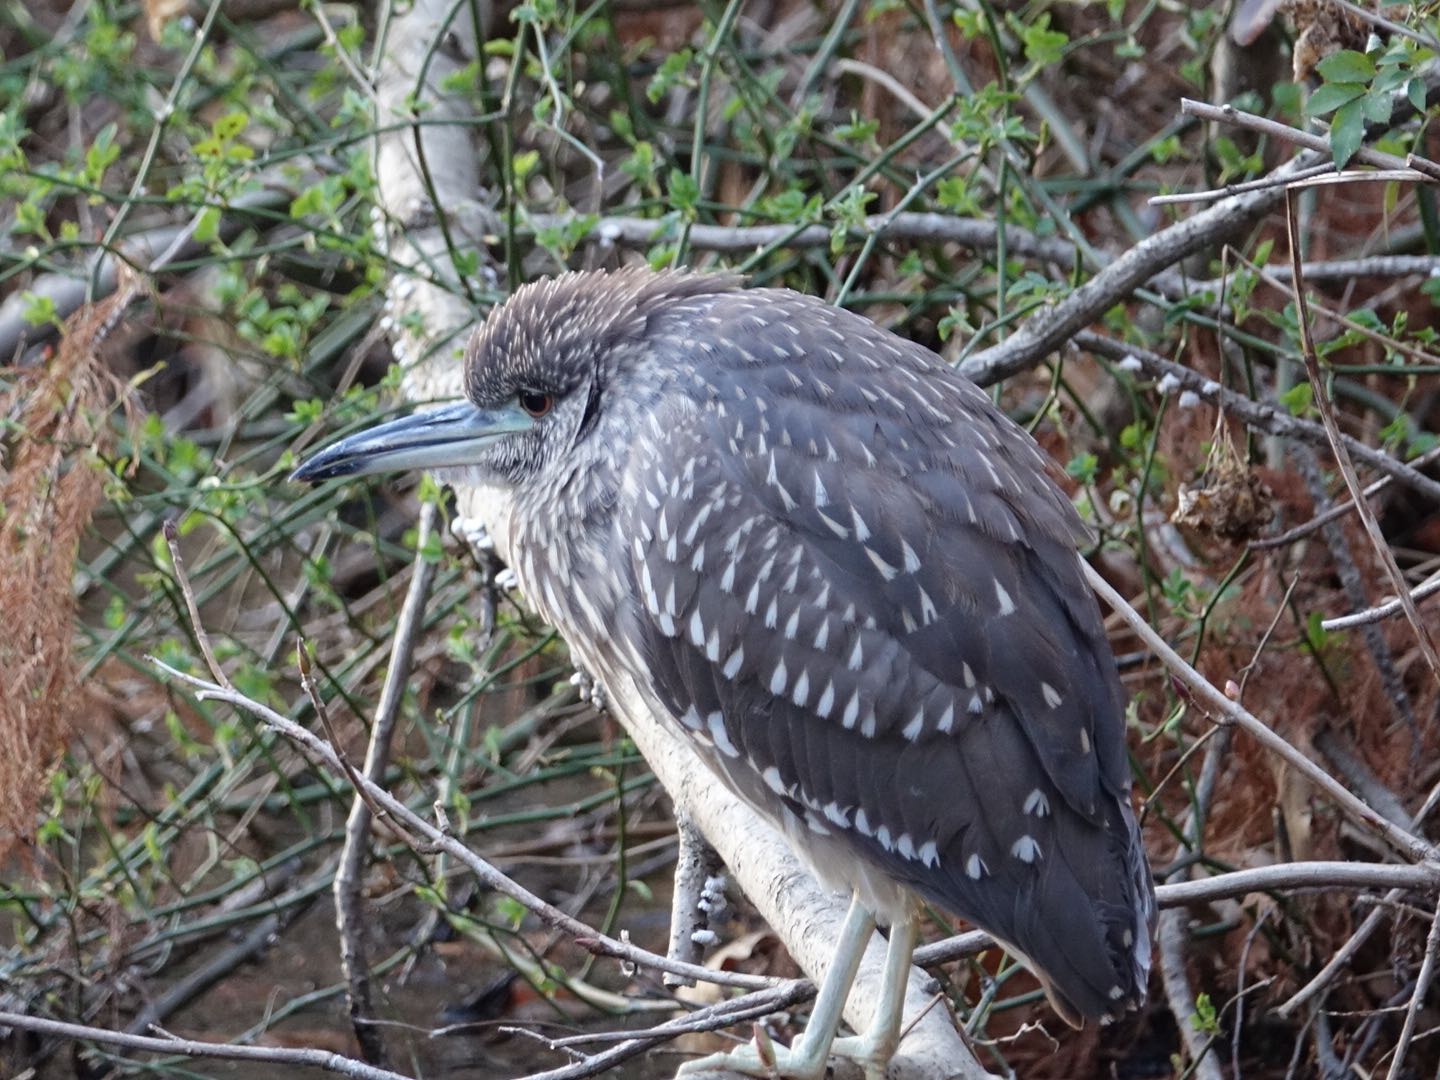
x=454 y=435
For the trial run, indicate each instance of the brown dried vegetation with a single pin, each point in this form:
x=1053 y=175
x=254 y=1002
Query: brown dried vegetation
x=52 y=478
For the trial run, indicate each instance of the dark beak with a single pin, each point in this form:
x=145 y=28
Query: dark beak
x=452 y=435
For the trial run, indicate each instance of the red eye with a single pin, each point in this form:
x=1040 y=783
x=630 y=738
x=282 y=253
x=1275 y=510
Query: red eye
x=536 y=403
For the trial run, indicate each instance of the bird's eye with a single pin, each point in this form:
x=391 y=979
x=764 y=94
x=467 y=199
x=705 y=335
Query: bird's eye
x=536 y=403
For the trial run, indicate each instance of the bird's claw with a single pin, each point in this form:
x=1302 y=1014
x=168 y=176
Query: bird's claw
x=591 y=690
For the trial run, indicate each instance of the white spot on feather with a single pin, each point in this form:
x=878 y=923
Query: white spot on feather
x=862 y=531
x=912 y=561
x=947 y=719
x=716 y=723
x=826 y=702
x=1036 y=803
x=834 y=526
x=1025 y=849
x=801 y=694
x=1007 y=605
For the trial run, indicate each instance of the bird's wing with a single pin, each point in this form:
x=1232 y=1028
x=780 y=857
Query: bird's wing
x=859 y=590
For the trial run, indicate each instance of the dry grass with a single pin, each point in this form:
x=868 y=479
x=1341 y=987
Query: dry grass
x=52 y=479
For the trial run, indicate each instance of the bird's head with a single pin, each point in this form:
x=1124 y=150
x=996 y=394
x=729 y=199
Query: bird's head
x=540 y=374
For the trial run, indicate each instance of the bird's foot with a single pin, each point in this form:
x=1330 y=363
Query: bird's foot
x=473 y=532
x=763 y=1058
x=590 y=690
x=870 y=1051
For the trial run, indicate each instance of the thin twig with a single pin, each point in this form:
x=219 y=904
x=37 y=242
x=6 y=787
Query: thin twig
x=1170 y=938
x=1046 y=332
x=1339 y=510
x=1417 y=998
x=349 y=920
x=1342 y=455
x=1258 y=415
x=172 y=540
x=436 y=839
x=1213 y=699
x=1427 y=588
x=1229 y=114
x=195 y=1048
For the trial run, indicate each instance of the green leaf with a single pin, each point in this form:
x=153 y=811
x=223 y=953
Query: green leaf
x=1347 y=65
x=684 y=192
x=1332 y=96
x=1415 y=91
x=1043 y=45
x=207 y=228
x=1298 y=398
x=39 y=310
x=1347 y=132
x=229 y=126
x=1376 y=108
x=1083 y=467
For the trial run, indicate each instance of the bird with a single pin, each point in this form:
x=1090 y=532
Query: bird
x=848 y=579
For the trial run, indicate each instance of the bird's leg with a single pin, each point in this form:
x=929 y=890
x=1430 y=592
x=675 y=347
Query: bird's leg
x=806 y=1057
x=877 y=1046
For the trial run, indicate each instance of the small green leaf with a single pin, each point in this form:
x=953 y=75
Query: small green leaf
x=1298 y=398
x=1083 y=467
x=207 y=227
x=1415 y=91
x=229 y=126
x=684 y=192
x=1042 y=45
x=39 y=310
x=1205 y=1019
x=1347 y=132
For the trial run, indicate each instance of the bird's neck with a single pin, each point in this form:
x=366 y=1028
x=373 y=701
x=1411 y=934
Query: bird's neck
x=559 y=537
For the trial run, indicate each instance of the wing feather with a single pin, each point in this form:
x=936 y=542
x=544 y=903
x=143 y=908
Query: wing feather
x=887 y=634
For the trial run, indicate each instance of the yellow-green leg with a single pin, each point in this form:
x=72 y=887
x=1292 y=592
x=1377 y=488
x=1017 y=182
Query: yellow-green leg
x=877 y=1046
x=805 y=1059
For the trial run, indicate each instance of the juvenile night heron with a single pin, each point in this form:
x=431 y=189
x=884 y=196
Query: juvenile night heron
x=844 y=574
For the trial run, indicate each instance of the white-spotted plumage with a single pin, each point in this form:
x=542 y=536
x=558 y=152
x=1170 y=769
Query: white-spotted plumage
x=845 y=575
